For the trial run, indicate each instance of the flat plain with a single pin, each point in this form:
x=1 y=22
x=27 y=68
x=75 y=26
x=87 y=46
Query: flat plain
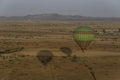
x=22 y=41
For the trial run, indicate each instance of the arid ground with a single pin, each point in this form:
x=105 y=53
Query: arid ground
x=22 y=41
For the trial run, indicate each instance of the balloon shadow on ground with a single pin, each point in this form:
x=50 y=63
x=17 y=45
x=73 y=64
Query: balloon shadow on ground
x=66 y=50
x=45 y=56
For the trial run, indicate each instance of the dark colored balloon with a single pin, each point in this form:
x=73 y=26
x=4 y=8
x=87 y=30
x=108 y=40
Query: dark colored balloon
x=45 y=56
x=66 y=50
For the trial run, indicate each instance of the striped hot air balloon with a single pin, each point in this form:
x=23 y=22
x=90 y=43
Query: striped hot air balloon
x=83 y=36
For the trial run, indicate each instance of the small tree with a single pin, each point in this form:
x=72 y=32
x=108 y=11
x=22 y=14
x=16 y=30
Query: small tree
x=104 y=31
x=119 y=30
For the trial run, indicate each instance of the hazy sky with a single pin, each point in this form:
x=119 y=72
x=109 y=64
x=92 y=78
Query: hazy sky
x=101 y=8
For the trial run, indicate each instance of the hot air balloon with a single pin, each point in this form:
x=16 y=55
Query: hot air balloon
x=83 y=36
x=66 y=51
x=45 y=56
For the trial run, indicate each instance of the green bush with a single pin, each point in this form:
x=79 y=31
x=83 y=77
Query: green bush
x=11 y=50
x=74 y=59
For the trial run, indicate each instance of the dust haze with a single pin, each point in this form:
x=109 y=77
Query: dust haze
x=101 y=8
x=41 y=47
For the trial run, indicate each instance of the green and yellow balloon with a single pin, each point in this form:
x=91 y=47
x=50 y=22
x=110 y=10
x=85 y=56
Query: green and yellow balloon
x=83 y=36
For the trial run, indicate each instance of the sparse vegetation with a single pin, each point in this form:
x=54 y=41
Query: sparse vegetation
x=35 y=36
x=11 y=50
x=74 y=58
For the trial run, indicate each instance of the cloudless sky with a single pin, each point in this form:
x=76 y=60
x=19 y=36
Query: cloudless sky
x=96 y=8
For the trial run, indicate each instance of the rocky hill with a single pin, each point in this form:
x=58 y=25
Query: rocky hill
x=55 y=16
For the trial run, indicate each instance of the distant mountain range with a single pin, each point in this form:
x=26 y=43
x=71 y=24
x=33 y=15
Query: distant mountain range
x=56 y=16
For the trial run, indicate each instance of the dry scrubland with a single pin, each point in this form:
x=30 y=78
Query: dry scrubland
x=22 y=41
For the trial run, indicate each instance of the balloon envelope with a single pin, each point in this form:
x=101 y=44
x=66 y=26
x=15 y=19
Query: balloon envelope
x=83 y=36
x=66 y=50
x=45 y=56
